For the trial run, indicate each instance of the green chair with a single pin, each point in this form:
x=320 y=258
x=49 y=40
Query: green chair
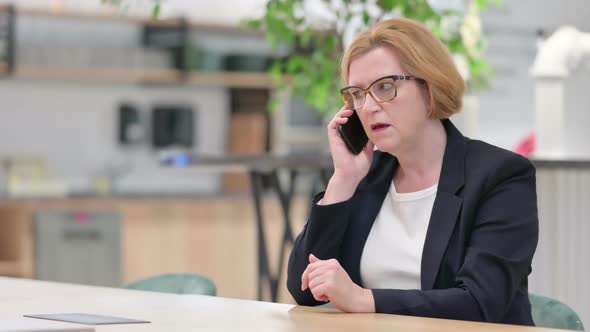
x=551 y=313
x=176 y=283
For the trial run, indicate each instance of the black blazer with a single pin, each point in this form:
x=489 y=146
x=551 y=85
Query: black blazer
x=480 y=242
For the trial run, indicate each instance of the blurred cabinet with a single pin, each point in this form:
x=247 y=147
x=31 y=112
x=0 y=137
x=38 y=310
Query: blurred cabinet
x=16 y=242
x=248 y=132
x=247 y=136
x=212 y=236
x=78 y=247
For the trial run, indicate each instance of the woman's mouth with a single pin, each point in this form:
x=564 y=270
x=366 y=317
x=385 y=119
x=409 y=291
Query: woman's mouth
x=379 y=126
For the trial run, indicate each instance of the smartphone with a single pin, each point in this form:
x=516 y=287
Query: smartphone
x=353 y=134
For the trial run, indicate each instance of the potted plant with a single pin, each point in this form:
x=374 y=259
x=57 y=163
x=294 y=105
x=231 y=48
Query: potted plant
x=126 y=5
x=317 y=32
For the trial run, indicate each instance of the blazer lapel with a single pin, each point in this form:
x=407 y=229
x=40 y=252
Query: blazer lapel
x=447 y=206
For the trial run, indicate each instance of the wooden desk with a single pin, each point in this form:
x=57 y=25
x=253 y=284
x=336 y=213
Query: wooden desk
x=169 y=312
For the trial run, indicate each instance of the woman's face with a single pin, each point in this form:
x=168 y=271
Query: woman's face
x=393 y=126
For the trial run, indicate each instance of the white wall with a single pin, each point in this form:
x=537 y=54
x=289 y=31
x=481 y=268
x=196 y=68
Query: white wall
x=507 y=112
x=74 y=126
x=577 y=114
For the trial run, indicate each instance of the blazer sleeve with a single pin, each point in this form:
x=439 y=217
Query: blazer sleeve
x=322 y=235
x=498 y=255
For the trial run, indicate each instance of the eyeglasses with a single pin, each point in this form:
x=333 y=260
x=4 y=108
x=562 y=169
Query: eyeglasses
x=382 y=90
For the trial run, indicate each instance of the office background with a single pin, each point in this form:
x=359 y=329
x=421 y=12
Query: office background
x=97 y=126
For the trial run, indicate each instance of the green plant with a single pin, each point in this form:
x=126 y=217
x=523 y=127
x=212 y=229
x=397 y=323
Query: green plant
x=155 y=9
x=312 y=68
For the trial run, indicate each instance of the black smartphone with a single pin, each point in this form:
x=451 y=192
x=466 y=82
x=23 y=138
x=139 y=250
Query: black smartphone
x=353 y=134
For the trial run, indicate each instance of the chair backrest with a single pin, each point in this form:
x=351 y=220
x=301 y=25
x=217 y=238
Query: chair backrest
x=551 y=313
x=176 y=283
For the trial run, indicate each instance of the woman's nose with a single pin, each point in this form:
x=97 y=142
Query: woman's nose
x=371 y=105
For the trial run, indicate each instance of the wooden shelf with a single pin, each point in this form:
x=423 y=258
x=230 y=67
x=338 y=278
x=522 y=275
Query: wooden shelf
x=89 y=74
x=232 y=79
x=134 y=75
x=146 y=76
x=130 y=19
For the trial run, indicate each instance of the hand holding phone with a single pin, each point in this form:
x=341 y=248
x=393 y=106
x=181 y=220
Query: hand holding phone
x=352 y=155
x=353 y=134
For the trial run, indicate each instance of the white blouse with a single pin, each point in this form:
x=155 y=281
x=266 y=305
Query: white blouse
x=392 y=254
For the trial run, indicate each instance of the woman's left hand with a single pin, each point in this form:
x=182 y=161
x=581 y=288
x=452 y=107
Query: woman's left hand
x=328 y=281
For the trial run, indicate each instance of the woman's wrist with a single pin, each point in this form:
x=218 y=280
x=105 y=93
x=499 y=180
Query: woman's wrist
x=339 y=190
x=366 y=301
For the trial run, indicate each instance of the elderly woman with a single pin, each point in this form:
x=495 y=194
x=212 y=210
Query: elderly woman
x=429 y=223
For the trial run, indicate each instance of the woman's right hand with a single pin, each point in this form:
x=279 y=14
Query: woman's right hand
x=349 y=169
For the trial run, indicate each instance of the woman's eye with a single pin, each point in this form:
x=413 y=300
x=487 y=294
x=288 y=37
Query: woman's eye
x=385 y=86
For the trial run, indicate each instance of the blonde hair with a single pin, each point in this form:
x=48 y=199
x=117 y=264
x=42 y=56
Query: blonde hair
x=422 y=54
